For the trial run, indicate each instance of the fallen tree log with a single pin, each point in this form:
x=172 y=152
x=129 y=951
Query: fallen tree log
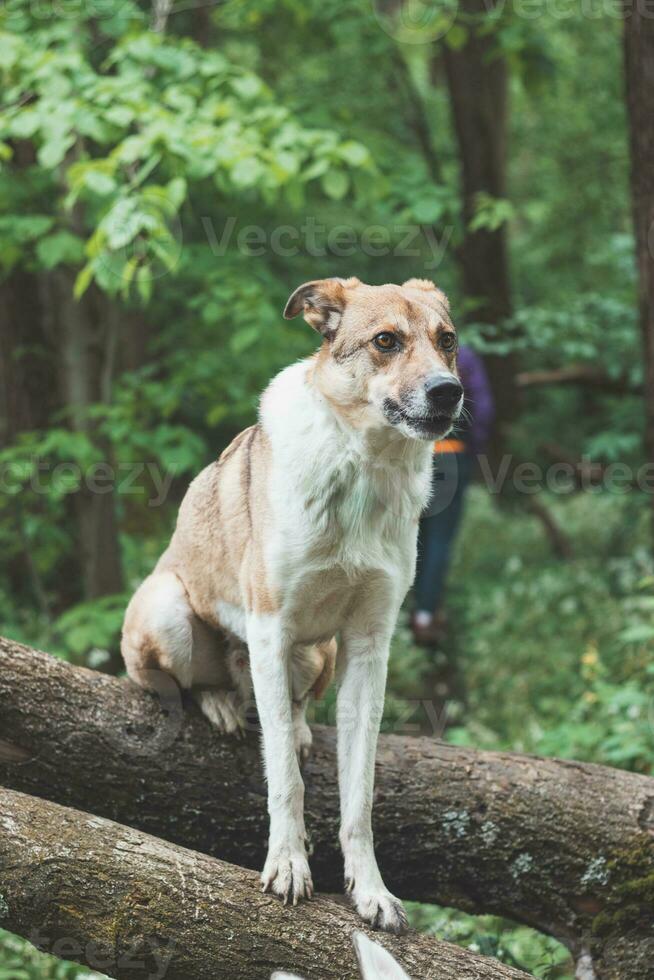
x=136 y=907
x=565 y=847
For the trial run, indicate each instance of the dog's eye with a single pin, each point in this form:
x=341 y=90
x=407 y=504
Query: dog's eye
x=447 y=341
x=385 y=341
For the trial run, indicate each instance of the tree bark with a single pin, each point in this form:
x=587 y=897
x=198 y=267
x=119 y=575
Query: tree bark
x=87 y=332
x=477 y=79
x=565 y=847
x=28 y=394
x=134 y=906
x=124 y=902
x=639 y=73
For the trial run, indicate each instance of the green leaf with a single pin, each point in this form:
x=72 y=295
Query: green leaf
x=354 y=153
x=99 y=182
x=247 y=172
x=176 y=190
x=54 y=150
x=427 y=210
x=62 y=246
x=83 y=280
x=24 y=124
x=248 y=87
x=25 y=228
x=335 y=184
x=456 y=37
x=11 y=49
x=242 y=339
x=119 y=115
x=144 y=283
x=122 y=223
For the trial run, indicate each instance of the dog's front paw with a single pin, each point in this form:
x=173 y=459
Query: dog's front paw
x=286 y=874
x=380 y=909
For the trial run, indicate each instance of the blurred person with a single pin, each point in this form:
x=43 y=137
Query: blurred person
x=453 y=468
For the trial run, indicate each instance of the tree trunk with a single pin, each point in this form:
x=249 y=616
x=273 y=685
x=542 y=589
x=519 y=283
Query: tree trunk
x=27 y=392
x=28 y=396
x=639 y=71
x=565 y=847
x=87 y=332
x=133 y=906
x=57 y=355
x=477 y=81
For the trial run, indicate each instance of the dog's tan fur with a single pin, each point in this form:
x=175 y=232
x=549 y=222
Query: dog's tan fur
x=217 y=550
x=304 y=529
x=217 y=555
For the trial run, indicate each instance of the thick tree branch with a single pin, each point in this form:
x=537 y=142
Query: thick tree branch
x=565 y=847
x=559 y=540
x=585 y=375
x=134 y=906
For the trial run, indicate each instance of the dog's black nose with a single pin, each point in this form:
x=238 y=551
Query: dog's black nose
x=444 y=395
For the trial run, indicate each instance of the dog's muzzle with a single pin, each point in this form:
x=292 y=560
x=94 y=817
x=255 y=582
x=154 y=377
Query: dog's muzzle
x=443 y=402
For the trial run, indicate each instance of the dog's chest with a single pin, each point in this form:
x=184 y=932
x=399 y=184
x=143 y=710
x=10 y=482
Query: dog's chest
x=337 y=545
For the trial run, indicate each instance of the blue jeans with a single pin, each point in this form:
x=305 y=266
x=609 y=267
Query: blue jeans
x=439 y=525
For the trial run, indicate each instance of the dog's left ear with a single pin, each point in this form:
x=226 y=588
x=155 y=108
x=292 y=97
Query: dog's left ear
x=431 y=292
x=322 y=301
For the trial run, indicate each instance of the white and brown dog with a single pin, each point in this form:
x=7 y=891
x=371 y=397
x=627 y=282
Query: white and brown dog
x=303 y=531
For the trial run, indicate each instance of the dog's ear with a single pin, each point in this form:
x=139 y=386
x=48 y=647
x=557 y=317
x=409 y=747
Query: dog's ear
x=322 y=302
x=375 y=962
x=432 y=294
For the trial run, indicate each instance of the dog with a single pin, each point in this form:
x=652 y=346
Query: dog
x=305 y=530
x=375 y=963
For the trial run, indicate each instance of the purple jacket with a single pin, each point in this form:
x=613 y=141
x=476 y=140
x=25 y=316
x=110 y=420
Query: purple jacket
x=478 y=403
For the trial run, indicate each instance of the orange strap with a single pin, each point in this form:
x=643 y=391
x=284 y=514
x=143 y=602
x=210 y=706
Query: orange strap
x=449 y=446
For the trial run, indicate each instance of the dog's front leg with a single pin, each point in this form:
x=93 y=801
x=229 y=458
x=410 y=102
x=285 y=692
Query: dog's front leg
x=359 y=710
x=286 y=871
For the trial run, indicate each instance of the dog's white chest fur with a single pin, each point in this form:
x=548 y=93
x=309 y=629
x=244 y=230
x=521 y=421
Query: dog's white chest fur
x=345 y=505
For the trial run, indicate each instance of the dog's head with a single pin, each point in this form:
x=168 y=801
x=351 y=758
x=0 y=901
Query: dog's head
x=389 y=353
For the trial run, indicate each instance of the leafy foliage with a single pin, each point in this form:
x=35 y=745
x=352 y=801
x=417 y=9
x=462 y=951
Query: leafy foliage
x=21 y=961
x=174 y=186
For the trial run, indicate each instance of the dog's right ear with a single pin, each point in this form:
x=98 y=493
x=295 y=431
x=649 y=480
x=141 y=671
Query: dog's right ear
x=375 y=962
x=322 y=302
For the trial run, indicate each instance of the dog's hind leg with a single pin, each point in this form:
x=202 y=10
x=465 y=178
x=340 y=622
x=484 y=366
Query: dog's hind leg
x=226 y=706
x=222 y=708
x=312 y=671
x=161 y=633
